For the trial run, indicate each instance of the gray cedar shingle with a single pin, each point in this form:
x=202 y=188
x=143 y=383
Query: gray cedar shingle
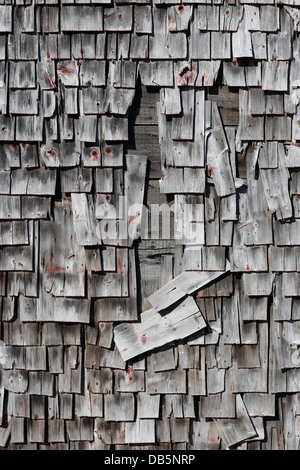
x=118 y=18
x=11 y=155
x=250 y=128
x=10 y=207
x=123 y=74
x=23 y=46
x=92 y=72
x=208 y=17
x=61 y=73
x=7 y=128
x=200 y=42
x=33 y=182
x=50 y=19
x=156 y=73
x=185 y=320
x=76 y=180
x=275 y=183
x=234 y=431
x=64 y=154
x=84 y=46
x=119 y=407
x=164 y=45
x=139 y=46
x=78 y=18
x=63 y=275
x=142 y=19
x=114 y=128
x=167 y=382
x=23 y=102
x=25 y=19
x=16 y=258
x=140 y=431
x=46 y=74
x=48 y=103
x=241 y=42
x=6 y=18
x=14 y=233
x=63 y=310
x=218 y=162
x=22 y=74
x=179 y=17
x=275 y=75
x=29 y=128
x=67 y=72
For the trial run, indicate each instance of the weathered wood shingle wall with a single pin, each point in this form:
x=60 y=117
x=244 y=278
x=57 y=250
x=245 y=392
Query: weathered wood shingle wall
x=163 y=342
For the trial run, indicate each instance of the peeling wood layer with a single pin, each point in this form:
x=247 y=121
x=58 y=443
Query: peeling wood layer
x=149 y=224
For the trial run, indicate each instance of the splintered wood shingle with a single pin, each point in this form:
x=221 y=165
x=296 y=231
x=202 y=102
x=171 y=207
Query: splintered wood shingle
x=186 y=283
x=149 y=225
x=181 y=321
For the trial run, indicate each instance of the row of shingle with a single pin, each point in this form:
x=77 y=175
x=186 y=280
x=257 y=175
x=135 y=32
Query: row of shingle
x=122 y=78
x=203 y=45
x=121 y=407
x=217 y=231
x=218 y=17
x=258 y=355
x=164 y=2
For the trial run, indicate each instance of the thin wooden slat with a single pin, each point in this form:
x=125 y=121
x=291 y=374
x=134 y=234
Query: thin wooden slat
x=255 y=219
x=84 y=221
x=250 y=128
x=111 y=284
x=6 y=18
x=275 y=75
x=120 y=309
x=241 y=41
x=200 y=41
x=163 y=44
x=186 y=283
x=239 y=429
x=181 y=321
x=183 y=127
x=217 y=156
x=275 y=182
x=63 y=275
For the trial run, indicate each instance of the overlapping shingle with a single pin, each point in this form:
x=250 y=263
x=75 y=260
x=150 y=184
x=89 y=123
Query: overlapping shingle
x=186 y=342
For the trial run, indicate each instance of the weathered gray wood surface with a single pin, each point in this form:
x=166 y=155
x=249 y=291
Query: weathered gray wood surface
x=156 y=330
x=192 y=109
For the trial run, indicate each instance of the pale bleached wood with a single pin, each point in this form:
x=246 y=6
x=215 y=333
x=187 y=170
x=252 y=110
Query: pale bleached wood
x=239 y=429
x=137 y=338
x=186 y=283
